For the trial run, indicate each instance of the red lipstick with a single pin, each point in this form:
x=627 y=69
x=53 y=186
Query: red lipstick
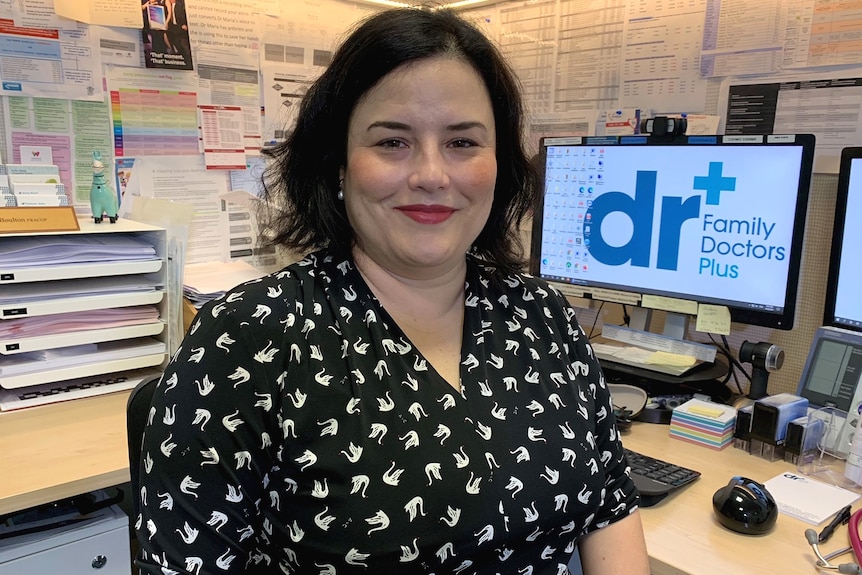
x=425 y=214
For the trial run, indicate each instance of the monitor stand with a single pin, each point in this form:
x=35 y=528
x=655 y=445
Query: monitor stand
x=675 y=324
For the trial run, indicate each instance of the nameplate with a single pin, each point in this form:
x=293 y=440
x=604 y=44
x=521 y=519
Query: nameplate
x=38 y=219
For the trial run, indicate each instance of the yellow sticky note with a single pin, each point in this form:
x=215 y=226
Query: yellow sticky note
x=674 y=359
x=669 y=304
x=713 y=319
x=705 y=411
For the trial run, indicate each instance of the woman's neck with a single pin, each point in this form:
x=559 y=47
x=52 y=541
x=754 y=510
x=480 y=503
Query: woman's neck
x=418 y=300
x=430 y=312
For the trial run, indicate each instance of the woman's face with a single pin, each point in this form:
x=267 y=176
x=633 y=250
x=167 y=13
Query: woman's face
x=421 y=167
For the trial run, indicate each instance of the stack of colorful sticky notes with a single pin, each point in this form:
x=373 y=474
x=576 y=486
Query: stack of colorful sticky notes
x=704 y=422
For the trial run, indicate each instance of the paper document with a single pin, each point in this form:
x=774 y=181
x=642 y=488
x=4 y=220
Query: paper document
x=34 y=251
x=39 y=361
x=206 y=281
x=79 y=321
x=657 y=342
x=807 y=499
x=87 y=287
x=674 y=359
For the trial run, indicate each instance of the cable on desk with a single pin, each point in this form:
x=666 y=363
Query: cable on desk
x=595 y=320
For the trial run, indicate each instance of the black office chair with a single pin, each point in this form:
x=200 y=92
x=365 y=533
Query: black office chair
x=137 y=410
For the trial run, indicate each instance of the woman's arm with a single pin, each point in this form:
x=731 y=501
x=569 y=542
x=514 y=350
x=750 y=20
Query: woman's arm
x=616 y=548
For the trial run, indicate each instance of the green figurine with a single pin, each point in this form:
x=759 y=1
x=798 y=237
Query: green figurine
x=103 y=199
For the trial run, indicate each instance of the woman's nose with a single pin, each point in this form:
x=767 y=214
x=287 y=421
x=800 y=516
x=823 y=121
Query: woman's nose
x=430 y=170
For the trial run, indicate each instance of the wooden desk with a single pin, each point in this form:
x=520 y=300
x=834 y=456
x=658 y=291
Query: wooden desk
x=55 y=451
x=682 y=533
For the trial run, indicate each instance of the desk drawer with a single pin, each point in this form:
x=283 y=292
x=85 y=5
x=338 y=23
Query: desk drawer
x=98 y=547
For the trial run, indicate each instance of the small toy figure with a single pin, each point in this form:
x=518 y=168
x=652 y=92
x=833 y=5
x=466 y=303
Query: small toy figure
x=103 y=199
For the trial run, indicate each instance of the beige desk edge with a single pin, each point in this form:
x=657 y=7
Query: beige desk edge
x=63 y=449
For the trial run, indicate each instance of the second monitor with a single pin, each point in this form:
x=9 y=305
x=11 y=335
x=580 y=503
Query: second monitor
x=843 y=304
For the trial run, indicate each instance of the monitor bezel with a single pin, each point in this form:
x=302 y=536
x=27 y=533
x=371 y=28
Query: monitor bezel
x=746 y=315
x=839 y=221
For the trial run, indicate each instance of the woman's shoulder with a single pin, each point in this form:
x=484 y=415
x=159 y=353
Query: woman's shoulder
x=282 y=292
x=532 y=288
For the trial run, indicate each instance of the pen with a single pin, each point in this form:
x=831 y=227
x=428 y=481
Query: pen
x=843 y=516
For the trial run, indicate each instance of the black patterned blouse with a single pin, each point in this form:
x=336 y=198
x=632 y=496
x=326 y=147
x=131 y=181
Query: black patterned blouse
x=297 y=430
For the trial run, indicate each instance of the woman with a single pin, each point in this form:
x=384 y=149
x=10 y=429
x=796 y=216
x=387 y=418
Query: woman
x=401 y=400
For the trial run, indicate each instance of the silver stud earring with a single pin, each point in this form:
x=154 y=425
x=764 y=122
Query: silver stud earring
x=340 y=194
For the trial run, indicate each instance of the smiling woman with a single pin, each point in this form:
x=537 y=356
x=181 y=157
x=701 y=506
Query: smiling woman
x=402 y=400
x=421 y=168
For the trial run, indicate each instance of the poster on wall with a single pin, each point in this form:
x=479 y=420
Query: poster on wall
x=165 y=34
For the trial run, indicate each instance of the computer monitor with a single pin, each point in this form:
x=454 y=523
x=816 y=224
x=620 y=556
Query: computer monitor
x=843 y=305
x=696 y=219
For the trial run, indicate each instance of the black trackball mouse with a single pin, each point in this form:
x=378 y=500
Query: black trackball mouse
x=745 y=506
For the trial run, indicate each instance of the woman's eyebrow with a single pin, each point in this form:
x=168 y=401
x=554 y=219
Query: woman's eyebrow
x=389 y=125
x=466 y=126
x=460 y=126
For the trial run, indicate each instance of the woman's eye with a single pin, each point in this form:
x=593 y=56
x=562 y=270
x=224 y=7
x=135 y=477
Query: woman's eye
x=391 y=144
x=463 y=143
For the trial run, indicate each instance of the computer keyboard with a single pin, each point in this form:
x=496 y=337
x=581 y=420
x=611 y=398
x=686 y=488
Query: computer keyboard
x=656 y=478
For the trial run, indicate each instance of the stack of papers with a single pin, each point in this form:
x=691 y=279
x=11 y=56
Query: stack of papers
x=207 y=281
x=704 y=422
x=807 y=499
x=76 y=288
x=78 y=321
x=32 y=251
x=40 y=361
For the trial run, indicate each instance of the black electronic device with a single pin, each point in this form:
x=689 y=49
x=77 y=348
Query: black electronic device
x=764 y=358
x=697 y=219
x=745 y=506
x=664 y=126
x=830 y=376
x=843 y=305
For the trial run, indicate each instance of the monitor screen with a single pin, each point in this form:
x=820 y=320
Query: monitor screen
x=843 y=304
x=707 y=219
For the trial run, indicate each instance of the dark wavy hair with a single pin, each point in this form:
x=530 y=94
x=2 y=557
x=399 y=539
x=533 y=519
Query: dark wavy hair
x=302 y=211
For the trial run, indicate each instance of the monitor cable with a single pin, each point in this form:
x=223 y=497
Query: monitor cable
x=595 y=321
x=626 y=317
x=733 y=364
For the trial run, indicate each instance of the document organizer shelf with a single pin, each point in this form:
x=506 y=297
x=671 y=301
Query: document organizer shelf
x=62 y=288
x=15 y=345
x=86 y=370
x=73 y=271
x=81 y=303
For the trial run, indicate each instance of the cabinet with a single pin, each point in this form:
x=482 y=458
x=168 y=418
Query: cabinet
x=76 y=307
x=98 y=544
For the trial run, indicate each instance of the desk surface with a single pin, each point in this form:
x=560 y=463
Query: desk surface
x=682 y=533
x=63 y=449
